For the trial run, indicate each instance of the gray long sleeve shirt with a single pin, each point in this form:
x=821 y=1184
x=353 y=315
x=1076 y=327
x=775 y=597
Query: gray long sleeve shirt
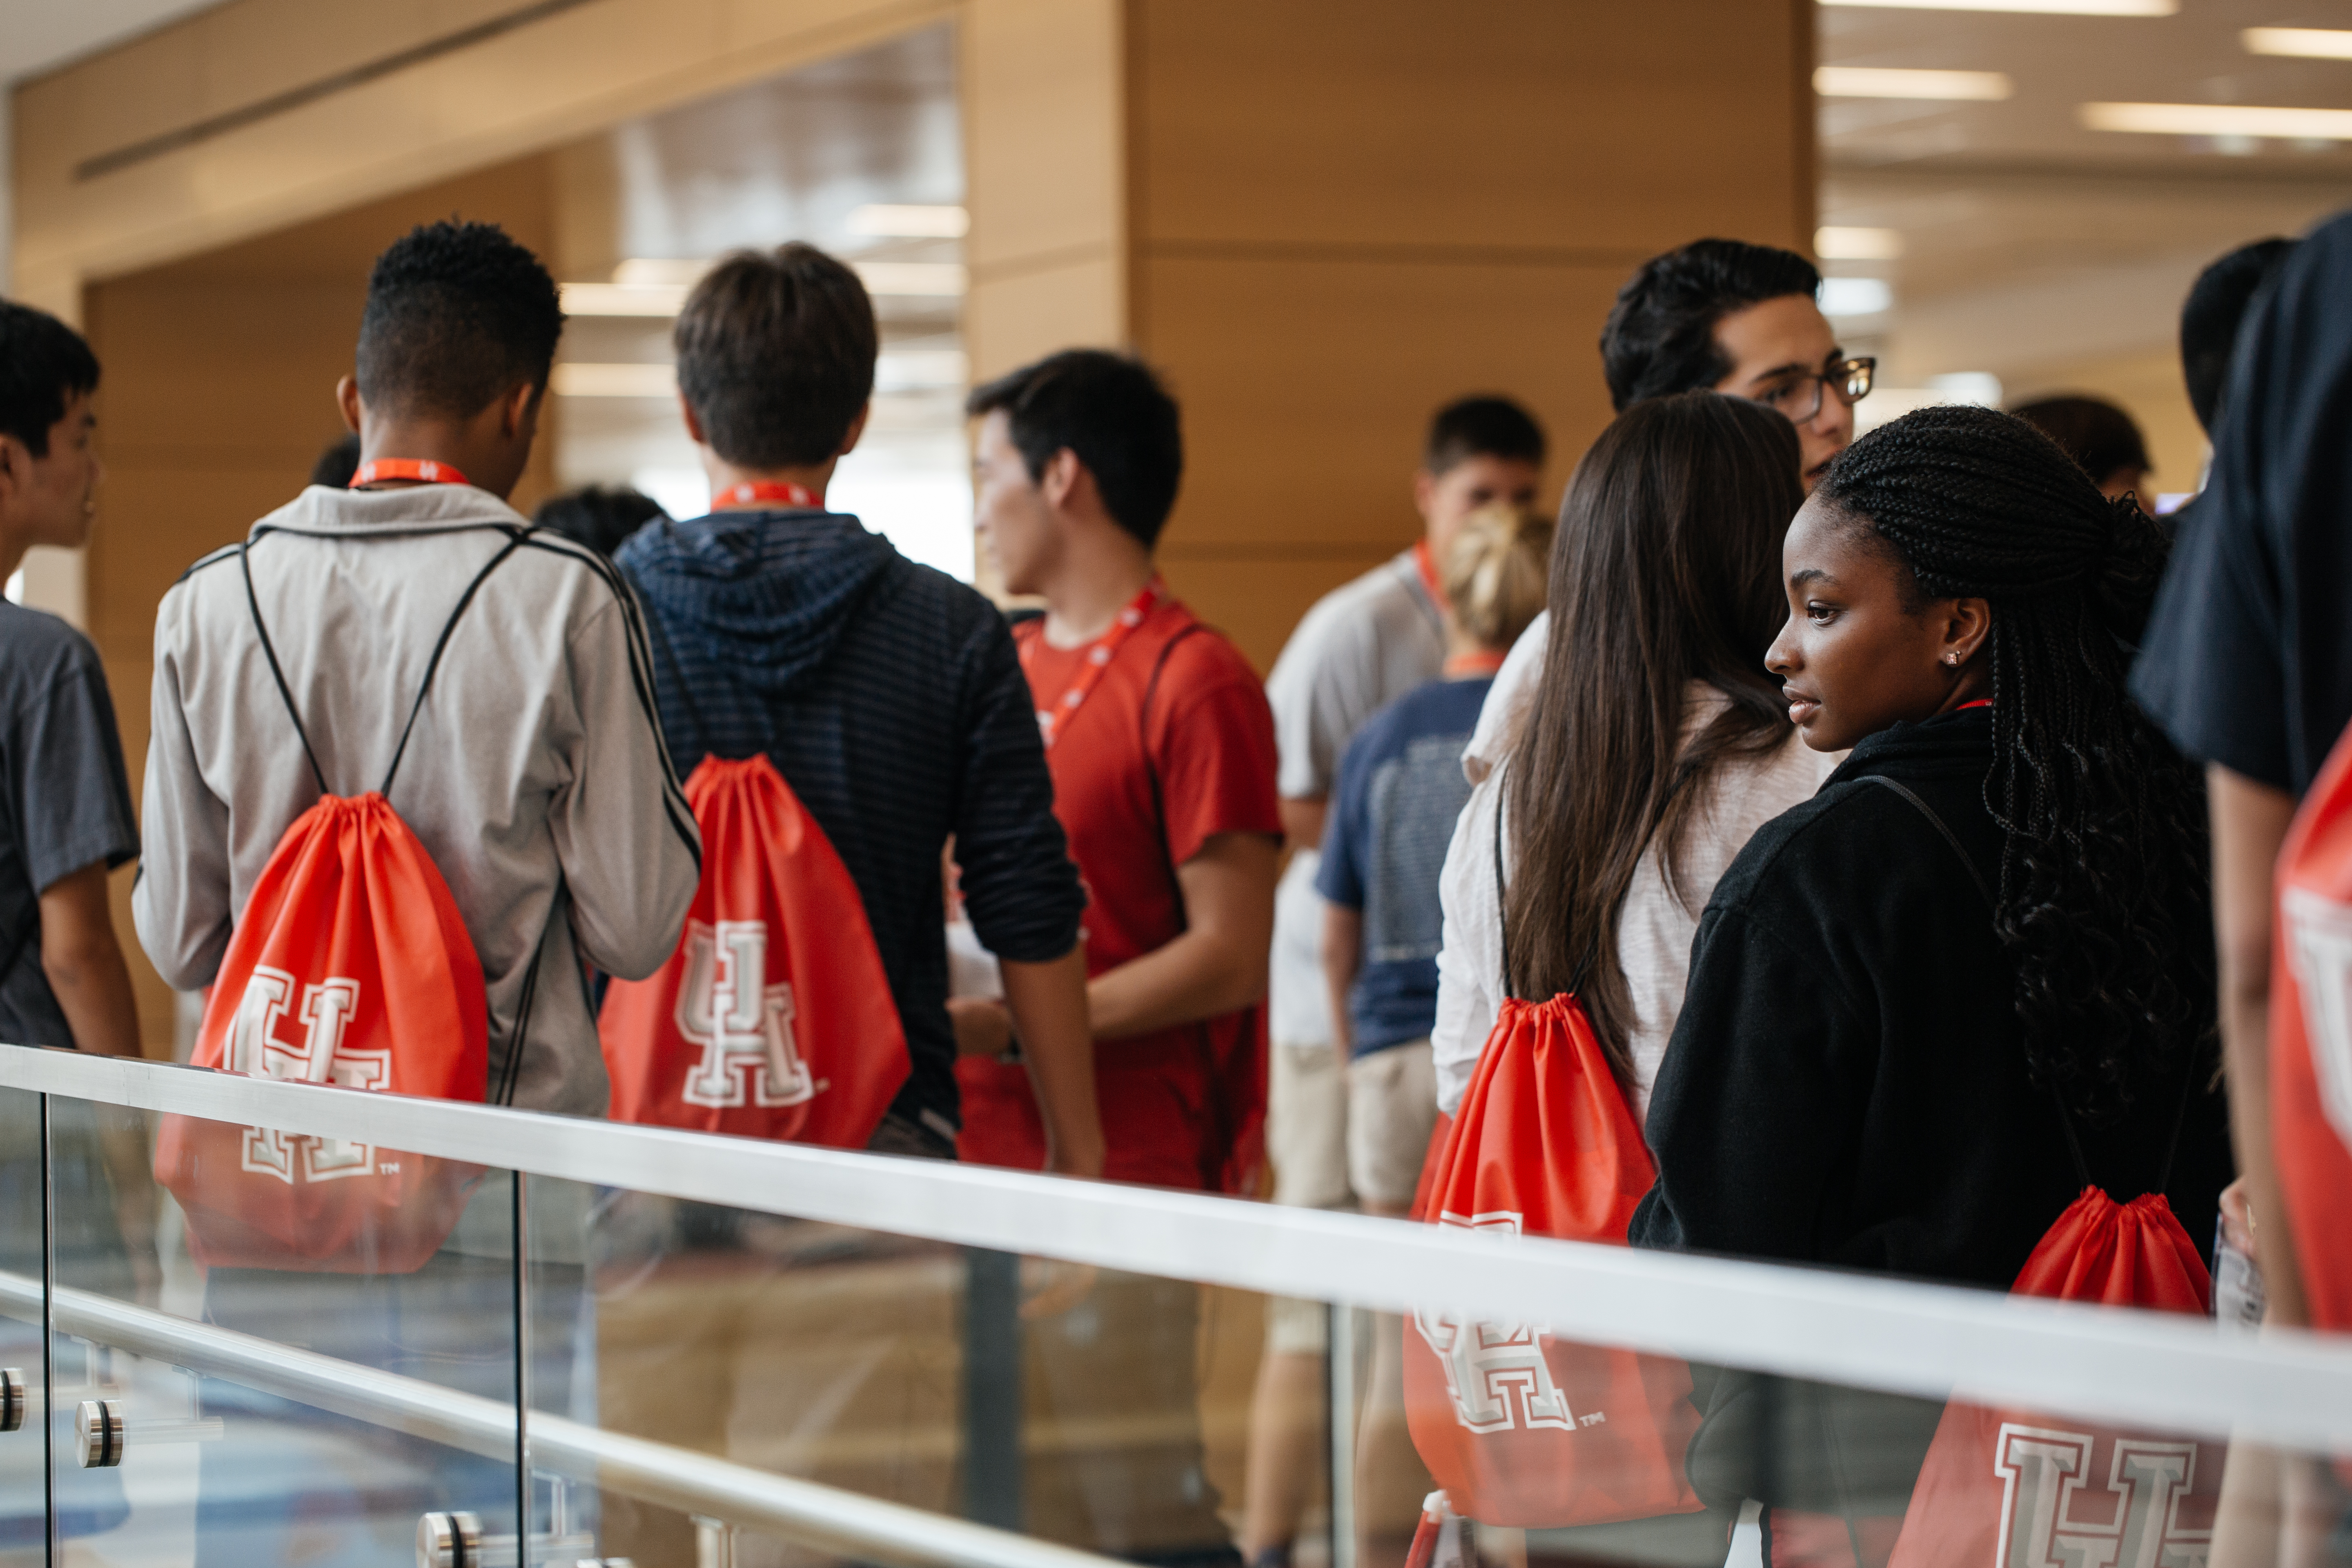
x=536 y=777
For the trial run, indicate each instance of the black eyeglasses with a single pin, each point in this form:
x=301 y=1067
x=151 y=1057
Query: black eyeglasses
x=1800 y=397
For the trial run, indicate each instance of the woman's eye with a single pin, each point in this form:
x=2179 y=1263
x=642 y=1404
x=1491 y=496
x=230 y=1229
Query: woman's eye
x=1820 y=615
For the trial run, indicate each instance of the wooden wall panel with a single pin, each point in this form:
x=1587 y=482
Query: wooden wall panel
x=1043 y=84
x=1584 y=124
x=1344 y=215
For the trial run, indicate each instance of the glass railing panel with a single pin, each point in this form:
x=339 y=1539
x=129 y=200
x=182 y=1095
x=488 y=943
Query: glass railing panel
x=1564 y=1454
x=1099 y=1410
x=226 y=1300
x=24 y=1395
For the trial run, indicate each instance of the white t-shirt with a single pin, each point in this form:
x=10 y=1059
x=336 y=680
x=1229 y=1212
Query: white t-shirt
x=1506 y=699
x=1655 y=928
x=1363 y=646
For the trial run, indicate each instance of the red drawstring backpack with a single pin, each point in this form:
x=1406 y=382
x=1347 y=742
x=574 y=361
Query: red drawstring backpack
x=2009 y=1488
x=773 y=1018
x=1518 y=1428
x=349 y=964
x=2311 y=1038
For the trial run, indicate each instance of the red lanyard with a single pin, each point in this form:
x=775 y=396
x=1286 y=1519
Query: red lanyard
x=761 y=491
x=1475 y=663
x=1097 y=658
x=1979 y=702
x=1425 y=559
x=377 y=469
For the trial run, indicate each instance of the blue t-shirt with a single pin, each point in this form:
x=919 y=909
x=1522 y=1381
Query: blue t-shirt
x=1400 y=788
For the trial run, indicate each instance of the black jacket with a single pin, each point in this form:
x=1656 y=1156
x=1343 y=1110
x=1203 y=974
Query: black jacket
x=1846 y=1083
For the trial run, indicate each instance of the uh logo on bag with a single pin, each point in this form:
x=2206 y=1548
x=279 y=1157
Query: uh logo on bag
x=1497 y=1373
x=745 y=1028
x=2057 y=1511
x=256 y=1050
x=774 y=1017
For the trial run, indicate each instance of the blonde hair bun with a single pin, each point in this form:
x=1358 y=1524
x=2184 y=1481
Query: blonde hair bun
x=1495 y=572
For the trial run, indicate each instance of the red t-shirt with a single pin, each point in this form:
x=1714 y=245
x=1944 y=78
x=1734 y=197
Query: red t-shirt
x=1179 y=1104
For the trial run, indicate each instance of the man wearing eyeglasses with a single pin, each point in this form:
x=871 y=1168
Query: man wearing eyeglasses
x=1726 y=316
x=1740 y=318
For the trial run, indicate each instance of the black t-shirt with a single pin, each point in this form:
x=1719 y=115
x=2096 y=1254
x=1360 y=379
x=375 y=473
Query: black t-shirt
x=2248 y=657
x=65 y=800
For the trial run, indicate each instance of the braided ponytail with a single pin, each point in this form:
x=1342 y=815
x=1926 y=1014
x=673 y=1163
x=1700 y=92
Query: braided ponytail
x=2102 y=831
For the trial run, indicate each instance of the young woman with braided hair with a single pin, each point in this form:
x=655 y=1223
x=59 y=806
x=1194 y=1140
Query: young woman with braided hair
x=1907 y=1004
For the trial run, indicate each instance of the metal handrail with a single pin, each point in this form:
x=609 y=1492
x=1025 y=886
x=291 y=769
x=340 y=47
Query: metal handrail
x=827 y=1518
x=2288 y=1387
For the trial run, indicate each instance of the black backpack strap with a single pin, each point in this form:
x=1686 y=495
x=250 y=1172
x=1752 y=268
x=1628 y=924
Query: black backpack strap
x=1941 y=826
x=1150 y=767
x=253 y=603
x=2065 y=1116
x=515 y=537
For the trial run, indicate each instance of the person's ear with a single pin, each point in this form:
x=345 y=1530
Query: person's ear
x=347 y=400
x=16 y=471
x=693 y=426
x=1425 y=492
x=1966 y=627
x=518 y=412
x=1063 y=476
x=857 y=430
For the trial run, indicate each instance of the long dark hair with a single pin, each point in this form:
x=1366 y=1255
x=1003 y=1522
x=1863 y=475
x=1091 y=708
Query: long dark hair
x=2102 y=830
x=1665 y=570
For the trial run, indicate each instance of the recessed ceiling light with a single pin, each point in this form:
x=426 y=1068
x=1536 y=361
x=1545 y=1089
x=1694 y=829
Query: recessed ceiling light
x=2220 y=120
x=582 y=378
x=622 y=298
x=660 y=269
x=1855 y=296
x=642 y=294
x=1873 y=81
x=1834 y=242
x=2310 y=43
x=888 y=220
x=2042 y=7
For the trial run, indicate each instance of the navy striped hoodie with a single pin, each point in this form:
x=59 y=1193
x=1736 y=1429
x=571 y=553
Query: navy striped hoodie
x=889 y=696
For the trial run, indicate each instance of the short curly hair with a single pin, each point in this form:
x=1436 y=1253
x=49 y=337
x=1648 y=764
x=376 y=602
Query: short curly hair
x=457 y=315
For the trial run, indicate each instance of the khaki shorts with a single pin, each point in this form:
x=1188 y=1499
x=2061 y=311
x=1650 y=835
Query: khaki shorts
x=1391 y=1111
x=1307 y=1128
x=1306 y=1139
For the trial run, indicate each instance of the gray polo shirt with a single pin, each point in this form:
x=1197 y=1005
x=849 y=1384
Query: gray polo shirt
x=1364 y=645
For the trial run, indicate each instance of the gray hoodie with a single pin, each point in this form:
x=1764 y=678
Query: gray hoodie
x=536 y=777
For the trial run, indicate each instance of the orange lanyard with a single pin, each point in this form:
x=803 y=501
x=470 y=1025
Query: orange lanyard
x=1096 y=658
x=1480 y=663
x=377 y=469
x=799 y=496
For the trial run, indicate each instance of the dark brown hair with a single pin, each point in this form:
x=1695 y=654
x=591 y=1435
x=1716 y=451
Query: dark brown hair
x=775 y=355
x=1667 y=570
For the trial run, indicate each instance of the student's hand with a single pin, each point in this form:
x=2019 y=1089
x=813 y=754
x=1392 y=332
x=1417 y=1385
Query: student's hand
x=2238 y=1219
x=983 y=1026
